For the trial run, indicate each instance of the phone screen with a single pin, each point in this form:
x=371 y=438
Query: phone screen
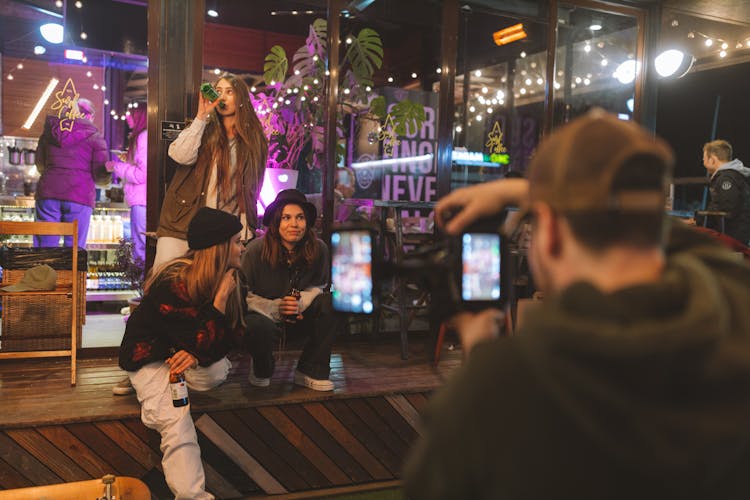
x=480 y=265
x=351 y=271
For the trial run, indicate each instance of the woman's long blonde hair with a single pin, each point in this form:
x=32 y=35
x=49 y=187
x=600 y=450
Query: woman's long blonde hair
x=202 y=271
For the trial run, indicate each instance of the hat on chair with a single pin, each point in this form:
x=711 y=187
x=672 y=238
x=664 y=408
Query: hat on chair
x=290 y=197
x=37 y=278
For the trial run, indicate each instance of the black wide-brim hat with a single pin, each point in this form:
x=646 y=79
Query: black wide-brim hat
x=290 y=197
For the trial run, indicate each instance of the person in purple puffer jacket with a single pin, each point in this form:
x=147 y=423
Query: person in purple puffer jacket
x=69 y=161
x=132 y=171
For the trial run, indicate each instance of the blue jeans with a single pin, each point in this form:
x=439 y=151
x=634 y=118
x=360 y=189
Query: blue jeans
x=138 y=231
x=63 y=211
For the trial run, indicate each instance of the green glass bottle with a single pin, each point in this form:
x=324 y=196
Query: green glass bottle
x=209 y=92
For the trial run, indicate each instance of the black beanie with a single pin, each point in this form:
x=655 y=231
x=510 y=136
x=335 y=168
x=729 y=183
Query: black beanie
x=210 y=227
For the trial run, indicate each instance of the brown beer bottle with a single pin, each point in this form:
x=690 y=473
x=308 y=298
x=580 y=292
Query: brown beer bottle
x=292 y=318
x=178 y=387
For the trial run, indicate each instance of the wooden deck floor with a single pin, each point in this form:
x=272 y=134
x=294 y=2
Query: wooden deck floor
x=255 y=441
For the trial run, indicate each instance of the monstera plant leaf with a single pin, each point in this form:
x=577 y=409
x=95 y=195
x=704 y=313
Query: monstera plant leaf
x=377 y=106
x=309 y=59
x=275 y=66
x=316 y=40
x=407 y=116
x=365 y=55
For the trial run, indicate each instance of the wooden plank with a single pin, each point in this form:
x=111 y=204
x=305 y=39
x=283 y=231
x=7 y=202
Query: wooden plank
x=47 y=453
x=25 y=463
x=263 y=453
x=122 y=463
x=304 y=444
x=74 y=448
x=327 y=442
x=395 y=421
x=130 y=443
x=38 y=394
x=246 y=462
x=365 y=435
x=148 y=436
x=406 y=410
x=155 y=481
x=418 y=400
x=276 y=441
x=11 y=478
x=223 y=464
x=379 y=427
x=350 y=443
x=217 y=484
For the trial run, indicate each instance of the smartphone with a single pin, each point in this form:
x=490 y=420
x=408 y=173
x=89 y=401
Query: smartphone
x=481 y=265
x=351 y=271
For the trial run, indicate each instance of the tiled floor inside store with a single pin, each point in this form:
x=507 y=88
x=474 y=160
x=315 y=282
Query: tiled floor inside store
x=103 y=329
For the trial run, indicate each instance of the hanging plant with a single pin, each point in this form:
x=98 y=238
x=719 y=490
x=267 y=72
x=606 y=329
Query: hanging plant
x=291 y=108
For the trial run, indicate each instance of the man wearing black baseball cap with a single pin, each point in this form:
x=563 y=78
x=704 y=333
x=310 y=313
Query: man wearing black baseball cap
x=288 y=281
x=632 y=378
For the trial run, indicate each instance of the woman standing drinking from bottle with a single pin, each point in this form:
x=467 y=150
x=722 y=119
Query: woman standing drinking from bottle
x=190 y=317
x=221 y=160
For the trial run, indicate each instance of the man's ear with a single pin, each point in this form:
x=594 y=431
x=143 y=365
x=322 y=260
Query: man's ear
x=548 y=230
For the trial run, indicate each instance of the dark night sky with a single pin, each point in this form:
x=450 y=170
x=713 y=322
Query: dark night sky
x=685 y=114
x=685 y=117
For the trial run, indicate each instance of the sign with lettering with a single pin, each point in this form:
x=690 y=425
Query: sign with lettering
x=66 y=105
x=398 y=167
x=170 y=130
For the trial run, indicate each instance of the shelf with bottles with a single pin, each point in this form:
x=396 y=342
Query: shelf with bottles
x=105 y=231
x=19 y=214
x=106 y=227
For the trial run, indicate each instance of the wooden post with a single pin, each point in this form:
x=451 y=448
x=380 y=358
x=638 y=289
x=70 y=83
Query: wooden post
x=175 y=66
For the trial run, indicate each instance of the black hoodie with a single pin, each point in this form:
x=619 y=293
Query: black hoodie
x=641 y=393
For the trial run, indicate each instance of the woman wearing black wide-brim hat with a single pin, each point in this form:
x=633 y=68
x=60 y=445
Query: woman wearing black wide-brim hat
x=289 y=258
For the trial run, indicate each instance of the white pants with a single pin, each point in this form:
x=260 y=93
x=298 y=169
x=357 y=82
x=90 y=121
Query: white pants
x=168 y=248
x=181 y=459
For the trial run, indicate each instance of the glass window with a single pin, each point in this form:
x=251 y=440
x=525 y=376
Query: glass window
x=500 y=85
x=596 y=63
x=388 y=102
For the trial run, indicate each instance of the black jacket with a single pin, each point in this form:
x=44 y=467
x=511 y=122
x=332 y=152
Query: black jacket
x=730 y=192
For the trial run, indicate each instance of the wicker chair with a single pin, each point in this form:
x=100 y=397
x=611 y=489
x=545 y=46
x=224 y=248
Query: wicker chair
x=32 y=319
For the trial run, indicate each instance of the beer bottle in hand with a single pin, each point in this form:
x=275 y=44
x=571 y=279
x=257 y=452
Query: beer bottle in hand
x=178 y=387
x=292 y=318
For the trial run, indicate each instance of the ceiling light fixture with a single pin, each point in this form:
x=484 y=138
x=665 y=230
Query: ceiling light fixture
x=212 y=13
x=40 y=103
x=673 y=63
x=625 y=72
x=509 y=34
x=52 y=32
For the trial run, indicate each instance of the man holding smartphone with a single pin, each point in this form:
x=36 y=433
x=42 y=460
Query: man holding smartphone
x=632 y=378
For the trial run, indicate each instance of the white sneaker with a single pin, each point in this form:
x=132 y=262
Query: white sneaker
x=257 y=381
x=123 y=387
x=312 y=383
